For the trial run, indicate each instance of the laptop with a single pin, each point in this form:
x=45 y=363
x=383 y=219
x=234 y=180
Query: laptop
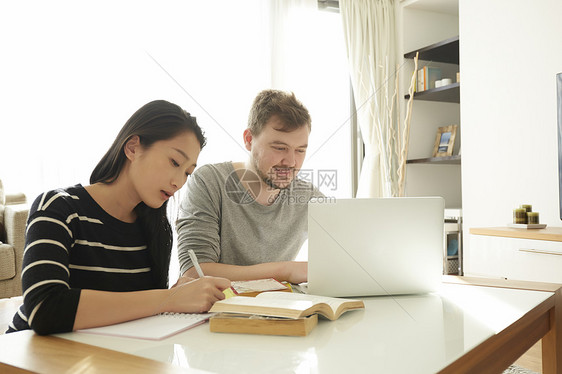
x=375 y=246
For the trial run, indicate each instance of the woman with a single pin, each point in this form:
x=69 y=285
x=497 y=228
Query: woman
x=99 y=255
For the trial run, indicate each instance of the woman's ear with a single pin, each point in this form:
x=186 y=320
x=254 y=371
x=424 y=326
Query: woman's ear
x=132 y=147
x=248 y=137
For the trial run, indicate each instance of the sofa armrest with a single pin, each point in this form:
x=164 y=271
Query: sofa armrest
x=15 y=198
x=15 y=220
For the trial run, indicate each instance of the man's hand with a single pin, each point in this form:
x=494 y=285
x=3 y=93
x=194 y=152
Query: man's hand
x=296 y=271
x=183 y=280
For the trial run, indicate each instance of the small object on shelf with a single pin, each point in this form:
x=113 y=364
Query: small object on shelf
x=532 y=218
x=527 y=226
x=420 y=86
x=527 y=207
x=519 y=216
x=445 y=141
x=458 y=77
x=446 y=81
x=427 y=76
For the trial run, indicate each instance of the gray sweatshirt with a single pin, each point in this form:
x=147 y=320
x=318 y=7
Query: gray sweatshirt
x=222 y=223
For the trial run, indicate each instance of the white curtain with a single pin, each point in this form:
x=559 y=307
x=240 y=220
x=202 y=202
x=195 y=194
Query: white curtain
x=369 y=28
x=287 y=26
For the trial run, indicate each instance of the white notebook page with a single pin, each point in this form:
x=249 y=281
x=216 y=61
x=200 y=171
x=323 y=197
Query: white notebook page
x=154 y=327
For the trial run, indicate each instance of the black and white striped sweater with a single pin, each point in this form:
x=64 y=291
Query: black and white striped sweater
x=72 y=244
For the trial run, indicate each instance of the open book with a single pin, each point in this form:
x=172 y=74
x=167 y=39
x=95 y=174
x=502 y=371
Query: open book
x=155 y=327
x=287 y=305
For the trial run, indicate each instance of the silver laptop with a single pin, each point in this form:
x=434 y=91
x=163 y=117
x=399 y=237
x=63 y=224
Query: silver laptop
x=379 y=246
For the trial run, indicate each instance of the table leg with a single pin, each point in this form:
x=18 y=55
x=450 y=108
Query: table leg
x=552 y=341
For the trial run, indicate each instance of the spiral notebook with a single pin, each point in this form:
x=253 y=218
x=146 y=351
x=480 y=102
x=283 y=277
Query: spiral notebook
x=155 y=327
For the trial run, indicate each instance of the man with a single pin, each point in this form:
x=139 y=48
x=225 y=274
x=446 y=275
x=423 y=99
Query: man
x=248 y=220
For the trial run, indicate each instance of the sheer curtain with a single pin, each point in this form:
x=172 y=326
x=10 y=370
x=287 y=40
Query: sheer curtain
x=369 y=29
x=308 y=57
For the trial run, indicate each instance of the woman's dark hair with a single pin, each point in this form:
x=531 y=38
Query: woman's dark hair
x=155 y=121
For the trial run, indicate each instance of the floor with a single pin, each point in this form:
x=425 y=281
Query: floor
x=532 y=360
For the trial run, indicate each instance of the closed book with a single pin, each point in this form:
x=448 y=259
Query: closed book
x=255 y=287
x=431 y=74
x=262 y=325
x=420 y=81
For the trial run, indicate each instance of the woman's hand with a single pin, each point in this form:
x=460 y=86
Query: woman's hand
x=190 y=295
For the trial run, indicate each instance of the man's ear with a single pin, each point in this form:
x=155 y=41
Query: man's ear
x=132 y=147
x=248 y=138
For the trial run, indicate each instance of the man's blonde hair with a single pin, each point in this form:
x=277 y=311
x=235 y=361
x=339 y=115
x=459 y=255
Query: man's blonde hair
x=292 y=113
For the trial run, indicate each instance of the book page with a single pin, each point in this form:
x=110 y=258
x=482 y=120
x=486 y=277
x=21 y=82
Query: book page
x=276 y=307
x=333 y=302
x=155 y=327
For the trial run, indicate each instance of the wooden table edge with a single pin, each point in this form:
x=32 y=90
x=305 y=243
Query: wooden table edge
x=70 y=356
x=543 y=322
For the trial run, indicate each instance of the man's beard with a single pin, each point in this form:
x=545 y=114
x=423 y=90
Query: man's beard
x=267 y=179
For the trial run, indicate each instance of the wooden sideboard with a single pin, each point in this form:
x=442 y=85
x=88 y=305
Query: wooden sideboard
x=514 y=253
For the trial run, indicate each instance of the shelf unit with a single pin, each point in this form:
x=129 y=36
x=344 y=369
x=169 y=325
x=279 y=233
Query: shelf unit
x=446 y=94
x=446 y=51
x=446 y=160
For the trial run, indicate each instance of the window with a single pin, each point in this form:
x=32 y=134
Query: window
x=75 y=72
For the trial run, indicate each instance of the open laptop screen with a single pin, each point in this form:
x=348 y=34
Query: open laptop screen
x=384 y=246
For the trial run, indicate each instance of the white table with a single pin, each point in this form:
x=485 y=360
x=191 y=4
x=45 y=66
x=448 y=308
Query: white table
x=459 y=329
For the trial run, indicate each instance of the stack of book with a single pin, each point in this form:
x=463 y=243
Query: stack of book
x=277 y=313
x=427 y=77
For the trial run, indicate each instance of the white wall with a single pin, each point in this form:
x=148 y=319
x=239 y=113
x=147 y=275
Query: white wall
x=509 y=55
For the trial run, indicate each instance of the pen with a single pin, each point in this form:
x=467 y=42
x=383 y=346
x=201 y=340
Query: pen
x=195 y=263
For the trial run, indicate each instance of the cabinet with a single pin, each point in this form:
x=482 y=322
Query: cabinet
x=452 y=246
x=446 y=51
x=519 y=254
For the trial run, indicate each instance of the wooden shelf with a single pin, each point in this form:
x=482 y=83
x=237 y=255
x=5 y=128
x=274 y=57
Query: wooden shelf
x=548 y=233
x=448 y=160
x=444 y=51
x=448 y=94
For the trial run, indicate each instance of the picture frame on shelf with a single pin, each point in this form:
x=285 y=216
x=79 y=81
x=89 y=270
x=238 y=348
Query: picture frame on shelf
x=445 y=141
